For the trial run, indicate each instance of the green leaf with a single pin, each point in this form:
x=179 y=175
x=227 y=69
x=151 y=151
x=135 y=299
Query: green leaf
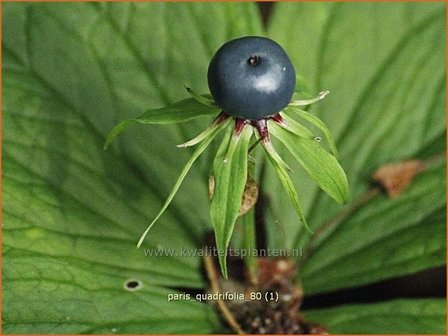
x=296 y=128
x=405 y=316
x=72 y=213
x=387 y=104
x=373 y=91
x=319 y=124
x=205 y=133
x=86 y=304
x=203 y=99
x=230 y=174
x=308 y=101
x=69 y=237
x=182 y=111
x=281 y=170
x=394 y=238
x=202 y=146
x=321 y=165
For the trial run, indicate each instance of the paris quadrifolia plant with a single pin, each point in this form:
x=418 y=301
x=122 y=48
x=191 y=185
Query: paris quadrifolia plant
x=252 y=82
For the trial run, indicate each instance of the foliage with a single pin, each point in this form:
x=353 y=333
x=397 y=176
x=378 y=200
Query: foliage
x=72 y=212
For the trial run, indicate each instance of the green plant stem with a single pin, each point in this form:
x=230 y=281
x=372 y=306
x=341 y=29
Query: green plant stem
x=249 y=244
x=249 y=233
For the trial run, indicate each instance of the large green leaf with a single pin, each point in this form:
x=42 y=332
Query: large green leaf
x=73 y=213
x=385 y=238
x=387 y=103
x=49 y=294
x=416 y=316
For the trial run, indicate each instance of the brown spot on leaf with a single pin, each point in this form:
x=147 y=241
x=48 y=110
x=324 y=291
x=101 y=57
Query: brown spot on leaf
x=250 y=194
x=211 y=186
x=395 y=177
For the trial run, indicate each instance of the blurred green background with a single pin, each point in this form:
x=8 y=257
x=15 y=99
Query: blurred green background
x=72 y=213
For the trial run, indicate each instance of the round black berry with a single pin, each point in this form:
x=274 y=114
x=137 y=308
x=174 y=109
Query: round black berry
x=251 y=78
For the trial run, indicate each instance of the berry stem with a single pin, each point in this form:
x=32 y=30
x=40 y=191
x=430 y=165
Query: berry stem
x=278 y=118
x=239 y=125
x=262 y=127
x=249 y=243
x=250 y=232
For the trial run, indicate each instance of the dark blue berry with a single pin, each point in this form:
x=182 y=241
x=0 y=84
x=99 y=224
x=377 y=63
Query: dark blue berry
x=251 y=78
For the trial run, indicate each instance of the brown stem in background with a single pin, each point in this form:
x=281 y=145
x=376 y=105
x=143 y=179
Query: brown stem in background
x=335 y=221
x=216 y=288
x=355 y=206
x=433 y=159
x=265 y=8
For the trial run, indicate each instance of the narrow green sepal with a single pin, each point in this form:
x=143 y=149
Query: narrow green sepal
x=305 y=102
x=182 y=111
x=323 y=167
x=203 y=99
x=200 y=137
x=286 y=181
x=273 y=153
x=203 y=145
x=230 y=173
x=117 y=130
x=311 y=118
x=293 y=126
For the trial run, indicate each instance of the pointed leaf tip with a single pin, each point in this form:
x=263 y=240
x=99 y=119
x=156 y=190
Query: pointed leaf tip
x=303 y=102
x=203 y=145
x=182 y=111
x=223 y=265
x=116 y=131
x=323 y=167
x=314 y=120
x=199 y=138
x=200 y=98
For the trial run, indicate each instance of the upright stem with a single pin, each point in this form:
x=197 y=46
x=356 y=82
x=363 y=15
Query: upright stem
x=249 y=244
x=249 y=233
x=216 y=289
